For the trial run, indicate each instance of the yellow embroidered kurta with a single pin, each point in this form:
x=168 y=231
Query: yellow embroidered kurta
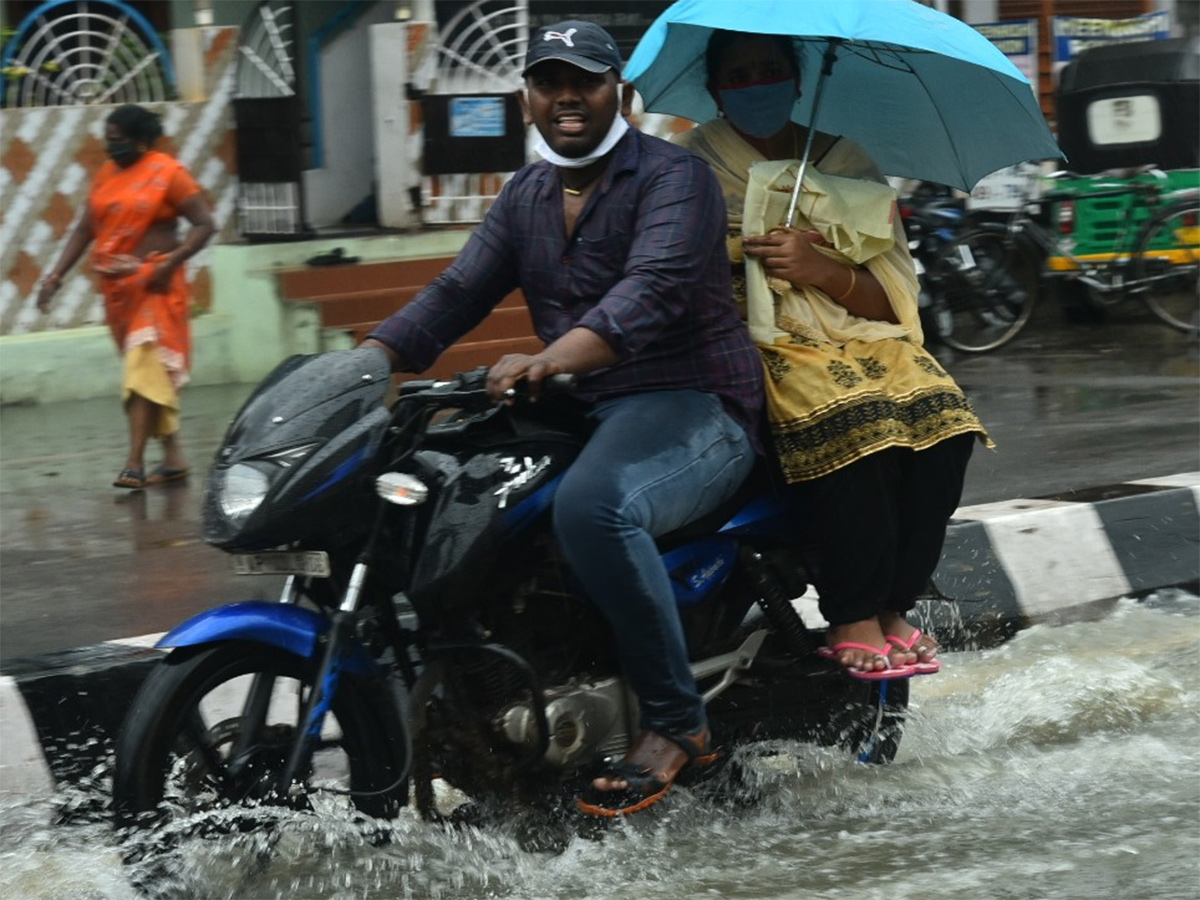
x=839 y=387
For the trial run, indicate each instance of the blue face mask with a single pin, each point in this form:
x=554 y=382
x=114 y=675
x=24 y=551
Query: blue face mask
x=759 y=110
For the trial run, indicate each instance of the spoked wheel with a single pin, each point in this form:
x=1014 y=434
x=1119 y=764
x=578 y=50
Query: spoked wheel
x=1166 y=269
x=188 y=763
x=981 y=291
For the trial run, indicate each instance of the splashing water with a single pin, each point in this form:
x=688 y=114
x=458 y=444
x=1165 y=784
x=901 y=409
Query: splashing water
x=1062 y=765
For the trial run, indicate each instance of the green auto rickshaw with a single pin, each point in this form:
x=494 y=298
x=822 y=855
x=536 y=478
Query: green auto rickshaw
x=1127 y=118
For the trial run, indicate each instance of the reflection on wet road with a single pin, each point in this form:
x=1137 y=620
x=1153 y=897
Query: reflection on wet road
x=1070 y=407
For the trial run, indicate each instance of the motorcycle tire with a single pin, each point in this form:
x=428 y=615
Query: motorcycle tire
x=982 y=294
x=172 y=752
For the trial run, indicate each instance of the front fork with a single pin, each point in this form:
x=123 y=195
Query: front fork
x=334 y=642
x=324 y=687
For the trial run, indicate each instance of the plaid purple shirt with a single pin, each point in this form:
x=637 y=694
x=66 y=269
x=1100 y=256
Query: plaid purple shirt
x=646 y=269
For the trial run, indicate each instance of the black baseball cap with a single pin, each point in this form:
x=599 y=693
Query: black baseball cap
x=579 y=43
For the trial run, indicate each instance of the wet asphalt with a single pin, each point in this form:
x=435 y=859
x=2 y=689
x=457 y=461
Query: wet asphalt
x=1071 y=405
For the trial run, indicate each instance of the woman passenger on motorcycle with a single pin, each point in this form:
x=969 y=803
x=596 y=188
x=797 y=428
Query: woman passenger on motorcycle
x=617 y=241
x=871 y=433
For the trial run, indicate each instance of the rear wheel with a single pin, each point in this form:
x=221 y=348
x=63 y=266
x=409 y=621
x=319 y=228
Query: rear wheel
x=982 y=291
x=1166 y=270
x=186 y=752
x=872 y=730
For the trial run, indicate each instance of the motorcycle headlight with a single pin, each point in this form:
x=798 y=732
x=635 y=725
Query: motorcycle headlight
x=242 y=489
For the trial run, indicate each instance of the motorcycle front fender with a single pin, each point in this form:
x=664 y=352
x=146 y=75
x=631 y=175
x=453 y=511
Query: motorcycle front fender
x=290 y=628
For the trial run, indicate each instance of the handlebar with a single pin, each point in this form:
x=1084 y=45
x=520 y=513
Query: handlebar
x=470 y=388
x=553 y=386
x=465 y=401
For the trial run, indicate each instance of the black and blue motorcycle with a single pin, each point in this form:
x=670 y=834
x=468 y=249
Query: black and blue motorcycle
x=427 y=628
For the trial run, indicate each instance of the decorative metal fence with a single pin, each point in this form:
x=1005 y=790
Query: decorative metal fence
x=83 y=52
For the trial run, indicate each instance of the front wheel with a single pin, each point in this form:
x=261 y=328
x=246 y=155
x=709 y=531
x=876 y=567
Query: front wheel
x=981 y=294
x=186 y=750
x=1165 y=269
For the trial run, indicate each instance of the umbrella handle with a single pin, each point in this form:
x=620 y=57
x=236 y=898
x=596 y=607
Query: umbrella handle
x=827 y=62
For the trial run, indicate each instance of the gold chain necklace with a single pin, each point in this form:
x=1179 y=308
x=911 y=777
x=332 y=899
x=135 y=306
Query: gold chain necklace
x=579 y=191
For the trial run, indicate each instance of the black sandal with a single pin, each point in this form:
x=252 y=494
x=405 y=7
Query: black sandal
x=644 y=784
x=131 y=479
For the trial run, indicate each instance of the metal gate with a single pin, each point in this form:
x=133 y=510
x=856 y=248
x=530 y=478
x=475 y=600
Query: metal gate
x=267 y=112
x=82 y=52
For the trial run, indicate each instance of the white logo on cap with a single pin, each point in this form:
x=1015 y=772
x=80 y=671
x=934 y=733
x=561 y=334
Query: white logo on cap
x=559 y=36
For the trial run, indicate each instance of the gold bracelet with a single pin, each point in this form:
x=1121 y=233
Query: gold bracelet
x=849 y=290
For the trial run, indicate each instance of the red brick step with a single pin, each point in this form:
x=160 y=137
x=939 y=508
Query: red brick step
x=356 y=297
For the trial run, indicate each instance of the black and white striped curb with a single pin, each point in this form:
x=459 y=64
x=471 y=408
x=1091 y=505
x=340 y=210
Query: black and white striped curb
x=1007 y=565
x=1012 y=564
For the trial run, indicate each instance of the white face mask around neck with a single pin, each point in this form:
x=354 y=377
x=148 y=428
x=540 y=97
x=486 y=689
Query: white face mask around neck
x=615 y=132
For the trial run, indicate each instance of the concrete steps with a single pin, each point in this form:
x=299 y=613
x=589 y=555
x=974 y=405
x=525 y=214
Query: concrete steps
x=355 y=297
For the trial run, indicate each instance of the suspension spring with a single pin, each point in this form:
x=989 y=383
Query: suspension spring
x=775 y=604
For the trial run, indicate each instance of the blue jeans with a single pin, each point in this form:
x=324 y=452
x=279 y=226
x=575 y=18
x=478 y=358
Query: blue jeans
x=656 y=462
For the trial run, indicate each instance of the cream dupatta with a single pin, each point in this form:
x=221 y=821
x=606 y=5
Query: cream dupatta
x=840 y=387
x=853 y=211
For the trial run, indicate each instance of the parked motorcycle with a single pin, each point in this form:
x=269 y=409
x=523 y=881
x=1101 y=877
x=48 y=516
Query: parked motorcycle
x=932 y=217
x=427 y=628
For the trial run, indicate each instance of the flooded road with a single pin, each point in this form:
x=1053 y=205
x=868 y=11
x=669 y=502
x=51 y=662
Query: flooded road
x=1061 y=765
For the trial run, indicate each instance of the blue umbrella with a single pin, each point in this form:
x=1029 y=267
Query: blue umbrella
x=927 y=95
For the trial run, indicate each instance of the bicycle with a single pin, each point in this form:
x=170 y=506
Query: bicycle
x=983 y=285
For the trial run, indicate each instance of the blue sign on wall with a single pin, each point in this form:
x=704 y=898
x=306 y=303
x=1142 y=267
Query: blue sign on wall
x=477 y=117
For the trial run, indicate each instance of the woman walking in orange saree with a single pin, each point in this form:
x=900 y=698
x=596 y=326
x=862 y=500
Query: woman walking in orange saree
x=131 y=215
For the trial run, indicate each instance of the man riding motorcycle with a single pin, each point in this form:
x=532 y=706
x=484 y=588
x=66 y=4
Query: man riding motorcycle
x=617 y=240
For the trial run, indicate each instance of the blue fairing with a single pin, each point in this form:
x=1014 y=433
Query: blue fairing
x=353 y=462
x=517 y=518
x=699 y=567
x=766 y=514
x=290 y=628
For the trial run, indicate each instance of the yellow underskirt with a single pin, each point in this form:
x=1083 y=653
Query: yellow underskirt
x=146 y=376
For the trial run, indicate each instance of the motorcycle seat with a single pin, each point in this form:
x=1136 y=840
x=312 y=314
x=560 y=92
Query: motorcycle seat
x=759 y=482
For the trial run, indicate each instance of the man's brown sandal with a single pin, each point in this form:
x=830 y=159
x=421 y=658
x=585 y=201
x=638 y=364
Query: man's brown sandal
x=646 y=782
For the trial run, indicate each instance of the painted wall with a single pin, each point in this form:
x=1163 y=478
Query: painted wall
x=347 y=172
x=239 y=340
x=48 y=157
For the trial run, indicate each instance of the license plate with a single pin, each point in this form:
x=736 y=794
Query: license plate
x=314 y=563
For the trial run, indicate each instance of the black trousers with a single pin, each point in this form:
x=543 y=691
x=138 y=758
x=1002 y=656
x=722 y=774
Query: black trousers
x=880 y=524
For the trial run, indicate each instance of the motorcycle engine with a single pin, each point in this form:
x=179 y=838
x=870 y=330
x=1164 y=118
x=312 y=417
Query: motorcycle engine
x=586 y=722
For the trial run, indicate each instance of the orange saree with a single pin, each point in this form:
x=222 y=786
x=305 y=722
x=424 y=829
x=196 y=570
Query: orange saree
x=150 y=328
